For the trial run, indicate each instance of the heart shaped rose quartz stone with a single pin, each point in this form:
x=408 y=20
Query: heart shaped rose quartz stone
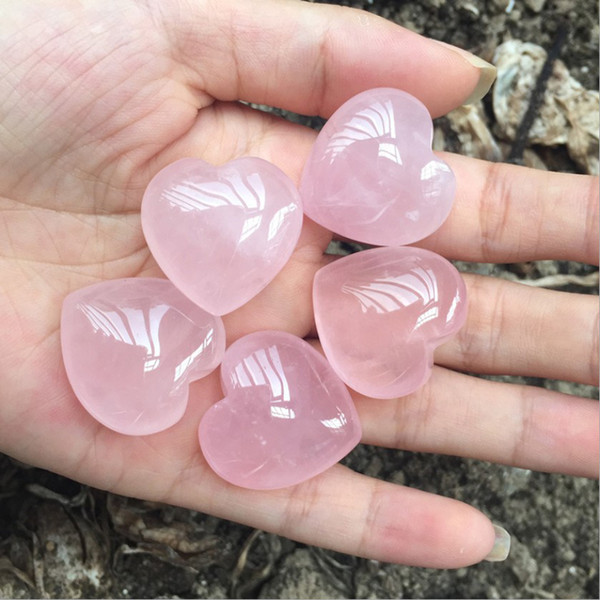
x=372 y=176
x=381 y=313
x=221 y=234
x=285 y=418
x=132 y=346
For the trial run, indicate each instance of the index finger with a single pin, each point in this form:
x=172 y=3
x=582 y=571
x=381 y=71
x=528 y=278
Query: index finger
x=507 y=213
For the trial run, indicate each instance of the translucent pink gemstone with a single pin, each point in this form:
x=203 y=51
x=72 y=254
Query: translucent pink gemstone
x=221 y=234
x=286 y=416
x=372 y=176
x=381 y=313
x=132 y=346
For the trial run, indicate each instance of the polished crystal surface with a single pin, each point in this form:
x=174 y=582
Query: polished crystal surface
x=286 y=416
x=132 y=346
x=221 y=234
x=372 y=176
x=381 y=313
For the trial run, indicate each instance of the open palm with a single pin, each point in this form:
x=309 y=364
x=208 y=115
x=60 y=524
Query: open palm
x=96 y=100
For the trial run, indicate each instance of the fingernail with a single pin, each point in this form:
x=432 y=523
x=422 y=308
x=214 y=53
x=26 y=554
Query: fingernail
x=487 y=73
x=501 y=545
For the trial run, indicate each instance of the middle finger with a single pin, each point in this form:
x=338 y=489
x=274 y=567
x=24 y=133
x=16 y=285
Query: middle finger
x=515 y=329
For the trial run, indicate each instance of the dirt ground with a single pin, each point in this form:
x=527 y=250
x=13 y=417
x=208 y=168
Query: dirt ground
x=61 y=539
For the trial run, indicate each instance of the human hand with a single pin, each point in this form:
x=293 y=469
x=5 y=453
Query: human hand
x=96 y=100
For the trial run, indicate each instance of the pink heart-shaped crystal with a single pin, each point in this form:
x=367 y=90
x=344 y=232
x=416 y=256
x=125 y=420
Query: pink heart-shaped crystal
x=285 y=418
x=221 y=234
x=372 y=176
x=381 y=313
x=132 y=346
